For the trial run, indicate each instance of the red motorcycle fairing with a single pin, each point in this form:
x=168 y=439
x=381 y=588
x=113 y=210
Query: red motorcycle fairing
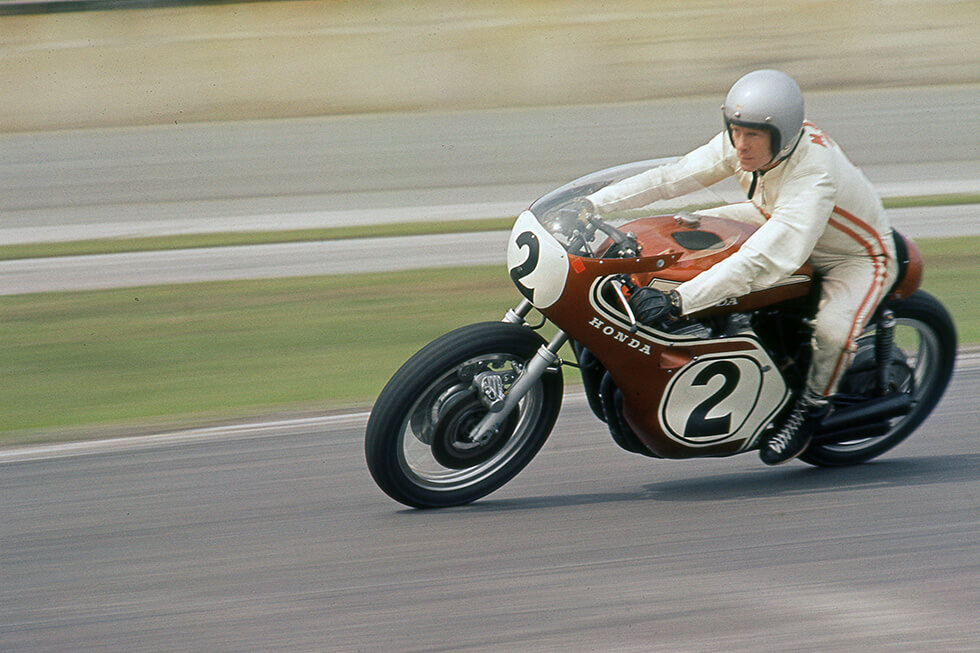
x=713 y=396
x=684 y=394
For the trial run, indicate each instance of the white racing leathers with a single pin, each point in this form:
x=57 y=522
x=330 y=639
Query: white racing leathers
x=815 y=205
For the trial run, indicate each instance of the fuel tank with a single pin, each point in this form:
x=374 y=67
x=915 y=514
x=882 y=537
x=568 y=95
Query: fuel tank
x=702 y=241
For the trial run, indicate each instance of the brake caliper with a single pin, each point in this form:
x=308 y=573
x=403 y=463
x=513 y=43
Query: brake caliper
x=491 y=378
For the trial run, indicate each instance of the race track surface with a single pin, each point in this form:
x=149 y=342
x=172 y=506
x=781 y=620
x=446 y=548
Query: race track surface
x=274 y=538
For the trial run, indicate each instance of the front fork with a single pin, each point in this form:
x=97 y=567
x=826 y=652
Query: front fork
x=517 y=315
x=543 y=359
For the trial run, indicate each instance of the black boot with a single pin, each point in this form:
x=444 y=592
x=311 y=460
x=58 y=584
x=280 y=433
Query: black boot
x=795 y=435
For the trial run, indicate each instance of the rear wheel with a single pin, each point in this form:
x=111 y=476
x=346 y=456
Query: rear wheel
x=922 y=363
x=418 y=444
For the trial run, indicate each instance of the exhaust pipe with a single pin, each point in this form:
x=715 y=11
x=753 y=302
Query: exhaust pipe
x=864 y=420
x=853 y=433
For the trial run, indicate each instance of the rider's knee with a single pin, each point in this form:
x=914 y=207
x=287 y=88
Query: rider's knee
x=831 y=334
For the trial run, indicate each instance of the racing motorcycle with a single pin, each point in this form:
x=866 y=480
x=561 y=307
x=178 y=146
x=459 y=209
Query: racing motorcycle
x=471 y=409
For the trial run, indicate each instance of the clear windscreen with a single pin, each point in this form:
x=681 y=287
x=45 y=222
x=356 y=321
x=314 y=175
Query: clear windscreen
x=559 y=210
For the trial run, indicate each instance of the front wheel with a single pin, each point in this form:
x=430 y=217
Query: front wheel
x=923 y=355
x=418 y=444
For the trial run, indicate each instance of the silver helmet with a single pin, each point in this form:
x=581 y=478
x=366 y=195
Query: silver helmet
x=769 y=100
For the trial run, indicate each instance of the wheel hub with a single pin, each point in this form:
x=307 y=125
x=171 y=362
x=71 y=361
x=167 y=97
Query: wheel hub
x=452 y=445
x=860 y=378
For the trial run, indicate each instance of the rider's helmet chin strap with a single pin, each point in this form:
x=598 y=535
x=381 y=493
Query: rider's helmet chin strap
x=772 y=164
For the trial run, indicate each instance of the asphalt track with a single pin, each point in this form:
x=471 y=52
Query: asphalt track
x=273 y=537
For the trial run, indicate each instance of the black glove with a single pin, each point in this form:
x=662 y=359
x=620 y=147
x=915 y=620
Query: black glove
x=652 y=307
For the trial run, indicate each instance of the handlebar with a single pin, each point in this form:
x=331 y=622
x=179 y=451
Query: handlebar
x=579 y=228
x=624 y=245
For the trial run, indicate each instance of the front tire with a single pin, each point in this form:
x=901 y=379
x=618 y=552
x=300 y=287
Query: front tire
x=416 y=443
x=923 y=356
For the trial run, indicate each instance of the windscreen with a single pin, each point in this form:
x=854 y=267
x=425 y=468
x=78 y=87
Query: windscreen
x=558 y=210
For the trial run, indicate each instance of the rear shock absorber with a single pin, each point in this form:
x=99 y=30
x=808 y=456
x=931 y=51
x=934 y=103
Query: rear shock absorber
x=884 y=339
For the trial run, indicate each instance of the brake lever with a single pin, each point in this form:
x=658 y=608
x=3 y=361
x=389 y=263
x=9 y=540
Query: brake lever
x=618 y=287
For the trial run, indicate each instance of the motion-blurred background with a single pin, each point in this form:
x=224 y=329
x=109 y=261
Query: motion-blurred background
x=194 y=61
x=291 y=150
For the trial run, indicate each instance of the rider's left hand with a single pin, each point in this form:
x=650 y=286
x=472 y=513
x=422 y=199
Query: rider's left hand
x=652 y=307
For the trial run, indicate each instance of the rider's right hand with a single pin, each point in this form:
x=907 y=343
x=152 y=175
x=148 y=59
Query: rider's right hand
x=585 y=208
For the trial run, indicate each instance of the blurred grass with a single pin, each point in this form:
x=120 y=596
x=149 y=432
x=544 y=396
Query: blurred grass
x=226 y=239
x=213 y=351
x=915 y=201
x=952 y=273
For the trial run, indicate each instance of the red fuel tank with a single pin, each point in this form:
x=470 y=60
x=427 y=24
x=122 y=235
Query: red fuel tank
x=701 y=242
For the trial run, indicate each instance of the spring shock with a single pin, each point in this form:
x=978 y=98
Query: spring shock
x=884 y=339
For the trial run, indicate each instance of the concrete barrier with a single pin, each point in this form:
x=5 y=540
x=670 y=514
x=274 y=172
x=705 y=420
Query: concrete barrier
x=284 y=59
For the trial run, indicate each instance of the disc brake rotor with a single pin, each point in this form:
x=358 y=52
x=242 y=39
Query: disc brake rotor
x=430 y=410
x=451 y=444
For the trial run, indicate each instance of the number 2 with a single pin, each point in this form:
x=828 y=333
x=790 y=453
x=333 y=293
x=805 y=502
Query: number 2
x=529 y=240
x=699 y=424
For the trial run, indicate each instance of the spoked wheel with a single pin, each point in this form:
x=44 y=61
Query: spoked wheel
x=921 y=366
x=419 y=445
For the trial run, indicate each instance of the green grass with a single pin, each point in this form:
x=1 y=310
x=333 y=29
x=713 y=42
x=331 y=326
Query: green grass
x=952 y=273
x=209 y=350
x=189 y=241
x=931 y=200
x=213 y=351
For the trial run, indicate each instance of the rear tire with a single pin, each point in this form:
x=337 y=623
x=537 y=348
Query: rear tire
x=416 y=442
x=925 y=351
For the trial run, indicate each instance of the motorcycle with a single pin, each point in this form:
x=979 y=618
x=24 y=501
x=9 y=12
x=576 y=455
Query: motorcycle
x=470 y=410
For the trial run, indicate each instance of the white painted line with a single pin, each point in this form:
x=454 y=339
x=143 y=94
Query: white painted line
x=275 y=428
x=966 y=358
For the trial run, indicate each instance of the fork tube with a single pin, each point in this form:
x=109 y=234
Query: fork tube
x=544 y=358
x=517 y=315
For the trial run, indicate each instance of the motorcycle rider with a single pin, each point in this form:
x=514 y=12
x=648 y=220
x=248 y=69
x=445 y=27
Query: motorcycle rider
x=812 y=204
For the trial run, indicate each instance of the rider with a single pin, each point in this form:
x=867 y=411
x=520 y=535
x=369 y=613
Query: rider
x=813 y=205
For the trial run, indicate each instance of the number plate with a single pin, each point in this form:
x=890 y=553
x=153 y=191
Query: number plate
x=721 y=398
x=538 y=264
